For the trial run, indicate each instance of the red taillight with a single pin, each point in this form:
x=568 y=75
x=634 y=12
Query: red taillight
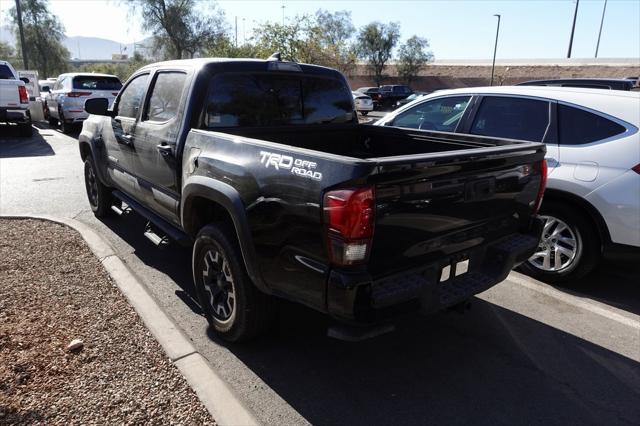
x=349 y=217
x=78 y=94
x=636 y=168
x=543 y=184
x=114 y=93
x=24 y=96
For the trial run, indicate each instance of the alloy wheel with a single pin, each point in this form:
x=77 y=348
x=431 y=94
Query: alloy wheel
x=218 y=285
x=92 y=186
x=558 y=248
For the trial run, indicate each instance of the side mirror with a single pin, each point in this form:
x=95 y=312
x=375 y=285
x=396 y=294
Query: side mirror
x=97 y=106
x=25 y=79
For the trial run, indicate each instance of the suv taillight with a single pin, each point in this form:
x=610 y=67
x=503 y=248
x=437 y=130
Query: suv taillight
x=636 y=168
x=78 y=94
x=24 y=96
x=542 y=168
x=349 y=219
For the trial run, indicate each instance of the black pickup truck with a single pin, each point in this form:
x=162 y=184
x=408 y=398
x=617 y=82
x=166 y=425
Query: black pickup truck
x=262 y=167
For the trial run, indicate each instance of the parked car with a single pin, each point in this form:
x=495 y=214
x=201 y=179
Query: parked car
x=14 y=100
x=45 y=92
x=587 y=83
x=410 y=98
x=592 y=202
x=373 y=93
x=392 y=93
x=363 y=103
x=69 y=93
x=286 y=195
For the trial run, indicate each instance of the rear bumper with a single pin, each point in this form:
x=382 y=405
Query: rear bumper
x=74 y=114
x=357 y=298
x=19 y=116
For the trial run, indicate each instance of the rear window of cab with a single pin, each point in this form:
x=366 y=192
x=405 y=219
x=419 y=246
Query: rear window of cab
x=256 y=100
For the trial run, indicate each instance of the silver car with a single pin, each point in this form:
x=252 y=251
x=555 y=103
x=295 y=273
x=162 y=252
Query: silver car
x=65 y=102
x=592 y=201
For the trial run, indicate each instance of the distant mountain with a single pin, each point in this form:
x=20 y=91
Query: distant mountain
x=88 y=47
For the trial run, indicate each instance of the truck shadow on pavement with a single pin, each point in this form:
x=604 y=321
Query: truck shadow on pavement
x=12 y=145
x=488 y=366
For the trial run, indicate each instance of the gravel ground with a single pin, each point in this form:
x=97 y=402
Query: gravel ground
x=53 y=290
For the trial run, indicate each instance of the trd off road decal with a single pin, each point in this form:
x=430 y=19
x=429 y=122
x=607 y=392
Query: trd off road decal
x=296 y=166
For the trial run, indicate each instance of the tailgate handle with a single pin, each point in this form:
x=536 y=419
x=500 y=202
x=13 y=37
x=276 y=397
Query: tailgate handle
x=165 y=150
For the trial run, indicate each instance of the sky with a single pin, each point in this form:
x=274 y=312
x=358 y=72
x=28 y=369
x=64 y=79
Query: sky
x=456 y=29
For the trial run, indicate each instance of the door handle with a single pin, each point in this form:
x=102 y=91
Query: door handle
x=165 y=150
x=125 y=139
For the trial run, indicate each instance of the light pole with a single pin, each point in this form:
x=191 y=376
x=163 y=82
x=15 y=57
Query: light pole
x=495 y=48
x=573 y=28
x=283 y=6
x=604 y=8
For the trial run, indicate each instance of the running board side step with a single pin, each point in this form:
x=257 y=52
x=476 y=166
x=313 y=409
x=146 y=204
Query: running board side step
x=161 y=225
x=120 y=211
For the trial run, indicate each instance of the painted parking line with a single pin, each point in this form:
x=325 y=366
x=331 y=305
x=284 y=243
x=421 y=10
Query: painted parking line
x=622 y=317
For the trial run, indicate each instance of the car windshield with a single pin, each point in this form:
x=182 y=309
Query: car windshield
x=96 y=83
x=270 y=100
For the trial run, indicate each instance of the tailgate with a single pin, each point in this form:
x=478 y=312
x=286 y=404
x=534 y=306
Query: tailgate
x=9 y=96
x=432 y=207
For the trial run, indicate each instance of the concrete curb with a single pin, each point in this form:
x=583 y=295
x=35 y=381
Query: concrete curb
x=219 y=399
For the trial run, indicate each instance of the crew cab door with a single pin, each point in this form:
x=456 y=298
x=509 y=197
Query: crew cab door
x=119 y=137
x=154 y=159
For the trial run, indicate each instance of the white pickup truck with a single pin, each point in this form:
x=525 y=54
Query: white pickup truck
x=14 y=100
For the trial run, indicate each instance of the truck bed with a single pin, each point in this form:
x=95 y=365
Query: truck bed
x=368 y=142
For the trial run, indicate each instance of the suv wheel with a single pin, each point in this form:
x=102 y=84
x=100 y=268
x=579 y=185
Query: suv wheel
x=99 y=195
x=65 y=127
x=231 y=303
x=568 y=249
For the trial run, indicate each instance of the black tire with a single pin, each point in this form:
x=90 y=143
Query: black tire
x=364 y=112
x=218 y=271
x=99 y=195
x=65 y=127
x=53 y=122
x=25 y=130
x=587 y=246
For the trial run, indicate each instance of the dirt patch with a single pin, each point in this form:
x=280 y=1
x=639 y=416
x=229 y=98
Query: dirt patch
x=53 y=290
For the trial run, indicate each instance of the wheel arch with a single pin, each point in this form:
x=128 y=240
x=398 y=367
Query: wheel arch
x=206 y=200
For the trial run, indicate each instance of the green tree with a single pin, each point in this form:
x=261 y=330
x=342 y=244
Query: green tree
x=375 y=45
x=43 y=36
x=179 y=29
x=6 y=52
x=291 y=40
x=333 y=34
x=412 y=57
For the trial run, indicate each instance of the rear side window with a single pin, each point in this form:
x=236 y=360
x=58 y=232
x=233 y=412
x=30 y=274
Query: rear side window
x=131 y=97
x=441 y=114
x=166 y=96
x=512 y=118
x=5 y=73
x=96 y=83
x=252 y=100
x=577 y=126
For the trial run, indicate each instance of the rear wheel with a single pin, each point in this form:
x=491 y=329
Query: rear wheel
x=364 y=112
x=99 y=195
x=568 y=249
x=65 y=127
x=232 y=304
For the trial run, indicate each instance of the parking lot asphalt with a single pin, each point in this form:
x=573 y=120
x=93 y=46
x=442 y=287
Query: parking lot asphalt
x=524 y=353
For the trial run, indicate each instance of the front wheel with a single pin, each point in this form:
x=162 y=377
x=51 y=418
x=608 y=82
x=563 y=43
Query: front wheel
x=364 y=112
x=569 y=246
x=232 y=304
x=99 y=195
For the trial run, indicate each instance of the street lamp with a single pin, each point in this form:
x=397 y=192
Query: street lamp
x=604 y=9
x=573 y=28
x=495 y=48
